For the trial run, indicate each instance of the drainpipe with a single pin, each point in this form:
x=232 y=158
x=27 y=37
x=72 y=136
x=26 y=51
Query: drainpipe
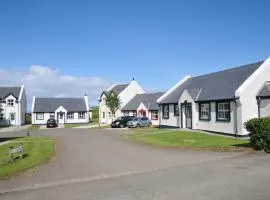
x=259 y=106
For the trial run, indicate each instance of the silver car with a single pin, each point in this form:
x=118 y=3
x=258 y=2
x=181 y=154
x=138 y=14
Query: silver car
x=139 y=122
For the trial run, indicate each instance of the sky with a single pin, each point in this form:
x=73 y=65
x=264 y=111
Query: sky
x=68 y=48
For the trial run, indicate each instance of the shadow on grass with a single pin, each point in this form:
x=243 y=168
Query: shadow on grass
x=245 y=145
x=3 y=139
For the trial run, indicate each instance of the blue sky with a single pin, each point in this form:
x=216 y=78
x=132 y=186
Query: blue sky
x=157 y=42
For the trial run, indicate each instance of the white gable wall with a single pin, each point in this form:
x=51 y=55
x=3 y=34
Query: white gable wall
x=125 y=96
x=247 y=93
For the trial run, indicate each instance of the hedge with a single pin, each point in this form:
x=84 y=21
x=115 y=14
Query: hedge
x=259 y=130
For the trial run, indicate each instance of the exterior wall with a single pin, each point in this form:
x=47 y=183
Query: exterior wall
x=173 y=121
x=67 y=121
x=125 y=96
x=148 y=114
x=247 y=95
x=11 y=109
x=213 y=124
x=265 y=108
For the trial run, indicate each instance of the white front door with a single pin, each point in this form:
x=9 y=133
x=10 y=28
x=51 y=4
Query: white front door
x=12 y=118
x=61 y=117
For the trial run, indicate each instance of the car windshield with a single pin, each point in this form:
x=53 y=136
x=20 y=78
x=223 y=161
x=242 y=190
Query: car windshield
x=136 y=119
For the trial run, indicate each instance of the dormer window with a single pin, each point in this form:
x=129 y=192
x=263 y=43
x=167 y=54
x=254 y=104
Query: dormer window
x=10 y=102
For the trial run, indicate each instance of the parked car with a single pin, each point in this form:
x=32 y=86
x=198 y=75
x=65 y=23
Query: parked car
x=121 y=122
x=51 y=123
x=139 y=122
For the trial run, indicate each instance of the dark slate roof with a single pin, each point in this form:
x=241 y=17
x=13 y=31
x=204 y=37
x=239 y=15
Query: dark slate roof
x=117 y=89
x=214 y=86
x=51 y=104
x=5 y=91
x=265 y=91
x=149 y=100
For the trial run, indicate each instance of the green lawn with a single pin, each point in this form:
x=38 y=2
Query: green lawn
x=73 y=125
x=37 y=150
x=33 y=127
x=187 y=139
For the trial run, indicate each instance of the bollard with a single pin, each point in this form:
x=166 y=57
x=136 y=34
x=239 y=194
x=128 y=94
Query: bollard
x=28 y=133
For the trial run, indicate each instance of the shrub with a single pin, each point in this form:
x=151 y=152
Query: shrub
x=259 y=130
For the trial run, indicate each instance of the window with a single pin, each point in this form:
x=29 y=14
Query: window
x=103 y=115
x=154 y=115
x=204 y=111
x=70 y=115
x=1 y=116
x=223 y=111
x=134 y=113
x=81 y=115
x=10 y=102
x=176 y=110
x=110 y=115
x=52 y=116
x=165 y=111
x=40 y=116
x=126 y=113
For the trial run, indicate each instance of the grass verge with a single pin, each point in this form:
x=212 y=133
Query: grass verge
x=33 y=127
x=188 y=139
x=74 y=125
x=37 y=150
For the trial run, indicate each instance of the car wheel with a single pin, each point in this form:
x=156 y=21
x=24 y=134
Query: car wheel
x=150 y=124
x=137 y=126
x=121 y=125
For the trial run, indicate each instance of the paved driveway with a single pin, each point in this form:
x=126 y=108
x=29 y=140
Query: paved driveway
x=87 y=154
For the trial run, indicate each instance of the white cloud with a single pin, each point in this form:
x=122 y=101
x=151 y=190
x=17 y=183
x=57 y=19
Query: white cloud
x=43 y=81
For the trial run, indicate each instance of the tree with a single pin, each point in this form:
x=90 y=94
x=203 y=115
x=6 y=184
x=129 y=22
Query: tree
x=112 y=102
x=1 y=112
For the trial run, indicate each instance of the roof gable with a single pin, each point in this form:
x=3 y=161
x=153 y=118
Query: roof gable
x=117 y=89
x=6 y=91
x=265 y=90
x=214 y=86
x=148 y=99
x=52 y=104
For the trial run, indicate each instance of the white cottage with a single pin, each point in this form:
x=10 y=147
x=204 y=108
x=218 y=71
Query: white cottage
x=144 y=105
x=64 y=110
x=218 y=102
x=125 y=92
x=14 y=106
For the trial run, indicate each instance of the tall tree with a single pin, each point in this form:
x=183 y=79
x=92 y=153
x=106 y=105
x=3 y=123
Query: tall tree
x=112 y=102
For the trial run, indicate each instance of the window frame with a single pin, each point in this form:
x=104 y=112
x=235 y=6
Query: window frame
x=8 y=102
x=79 y=113
x=174 y=110
x=39 y=114
x=134 y=113
x=229 y=110
x=152 y=114
x=163 y=111
x=70 y=115
x=200 y=110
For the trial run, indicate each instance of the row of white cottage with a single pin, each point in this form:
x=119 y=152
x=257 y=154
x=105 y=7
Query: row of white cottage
x=218 y=102
x=13 y=108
